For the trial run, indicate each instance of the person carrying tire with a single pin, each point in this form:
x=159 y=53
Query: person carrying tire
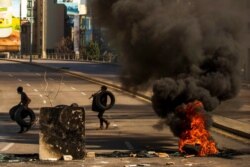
x=23 y=111
x=99 y=104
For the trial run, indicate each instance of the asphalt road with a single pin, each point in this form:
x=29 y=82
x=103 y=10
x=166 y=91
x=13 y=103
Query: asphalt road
x=132 y=120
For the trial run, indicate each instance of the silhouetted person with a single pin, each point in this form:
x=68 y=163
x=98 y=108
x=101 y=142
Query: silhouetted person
x=103 y=101
x=25 y=100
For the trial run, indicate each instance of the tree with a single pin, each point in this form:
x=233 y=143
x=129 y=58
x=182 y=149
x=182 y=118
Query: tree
x=65 y=46
x=93 y=51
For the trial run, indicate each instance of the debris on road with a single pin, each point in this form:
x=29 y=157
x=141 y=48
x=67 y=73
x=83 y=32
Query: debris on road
x=162 y=155
x=170 y=163
x=188 y=164
x=67 y=157
x=133 y=155
x=12 y=158
x=189 y=156
x=135 y=165
x=144 y=154
x=90 y=155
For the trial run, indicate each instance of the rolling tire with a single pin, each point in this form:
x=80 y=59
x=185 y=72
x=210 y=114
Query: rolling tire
x=99 y=97
x=23 y=113
x=12 y=112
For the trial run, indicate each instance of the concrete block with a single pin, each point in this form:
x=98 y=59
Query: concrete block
x=62 y=132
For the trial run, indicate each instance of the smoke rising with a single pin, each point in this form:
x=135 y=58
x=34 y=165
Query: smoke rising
x=189 y=48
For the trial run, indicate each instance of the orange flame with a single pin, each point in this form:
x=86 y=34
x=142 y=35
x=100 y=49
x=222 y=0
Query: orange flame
x=197 y=134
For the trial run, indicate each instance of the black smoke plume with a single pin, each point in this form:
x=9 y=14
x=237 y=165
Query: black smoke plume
x=189 y=48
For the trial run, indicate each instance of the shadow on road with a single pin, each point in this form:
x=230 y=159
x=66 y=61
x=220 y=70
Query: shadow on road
x=9 y=131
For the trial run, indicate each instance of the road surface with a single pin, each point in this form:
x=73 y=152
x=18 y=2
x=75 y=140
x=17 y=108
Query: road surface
x=132 y=120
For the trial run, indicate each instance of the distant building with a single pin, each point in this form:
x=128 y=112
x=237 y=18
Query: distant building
x=246 y=65
x=27 y=13
x=25 y=37
x=245 y=43
x=99 y=34
x=50 y=28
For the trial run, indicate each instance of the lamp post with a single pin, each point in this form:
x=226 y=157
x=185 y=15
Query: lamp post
x=31 y=28
x=20 y=32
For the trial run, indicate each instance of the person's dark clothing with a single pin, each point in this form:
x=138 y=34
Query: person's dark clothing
x=103 y=101
x=100 y=116
x=25 y=100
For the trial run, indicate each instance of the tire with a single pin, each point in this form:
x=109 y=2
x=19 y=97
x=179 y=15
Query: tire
x=61 y=106
x=98 y=100
x=94 y=106
x=23 y=113
x=13 y=111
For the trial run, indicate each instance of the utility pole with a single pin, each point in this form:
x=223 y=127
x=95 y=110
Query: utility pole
x=20 y=32
x=31 y=29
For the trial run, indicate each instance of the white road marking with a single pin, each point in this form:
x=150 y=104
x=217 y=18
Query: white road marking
x=73 y=88
x=35 y=90
x=44 y=101
x=19 y=80
x=10 y=75
x=7 y=147
x=129 y=145
x=38 y=74
x=84 y=94
x=104 y=162
x=28 y=84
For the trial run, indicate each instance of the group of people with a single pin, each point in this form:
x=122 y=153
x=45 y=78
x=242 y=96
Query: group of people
x=25 y=101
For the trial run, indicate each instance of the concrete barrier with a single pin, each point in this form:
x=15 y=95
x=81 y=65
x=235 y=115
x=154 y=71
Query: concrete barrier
x=62 y=132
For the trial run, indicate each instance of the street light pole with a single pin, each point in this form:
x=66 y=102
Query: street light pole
x=20 y=32
x=31 y=29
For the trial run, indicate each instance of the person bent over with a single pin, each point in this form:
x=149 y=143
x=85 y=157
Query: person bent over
x=25 y=100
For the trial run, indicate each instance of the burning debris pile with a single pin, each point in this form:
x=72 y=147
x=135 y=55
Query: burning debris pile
x=194 y=136
x=190 y=50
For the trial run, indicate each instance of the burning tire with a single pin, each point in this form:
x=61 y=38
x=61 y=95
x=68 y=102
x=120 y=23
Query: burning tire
x=24 y=116
x=100 y=95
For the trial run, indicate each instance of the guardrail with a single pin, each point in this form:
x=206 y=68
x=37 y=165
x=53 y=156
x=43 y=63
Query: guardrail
x=63 y=56
x=52 y=56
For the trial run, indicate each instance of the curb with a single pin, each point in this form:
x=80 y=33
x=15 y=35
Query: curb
x=233 y=126
x=229 y=125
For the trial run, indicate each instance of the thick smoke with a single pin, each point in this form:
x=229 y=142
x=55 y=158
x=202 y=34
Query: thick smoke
x=188 y=47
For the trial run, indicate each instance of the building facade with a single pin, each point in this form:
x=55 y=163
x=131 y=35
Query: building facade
x=43 y=27
x=28 y=15
x=50 y=27
x=245 y=43
x=247 y=68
